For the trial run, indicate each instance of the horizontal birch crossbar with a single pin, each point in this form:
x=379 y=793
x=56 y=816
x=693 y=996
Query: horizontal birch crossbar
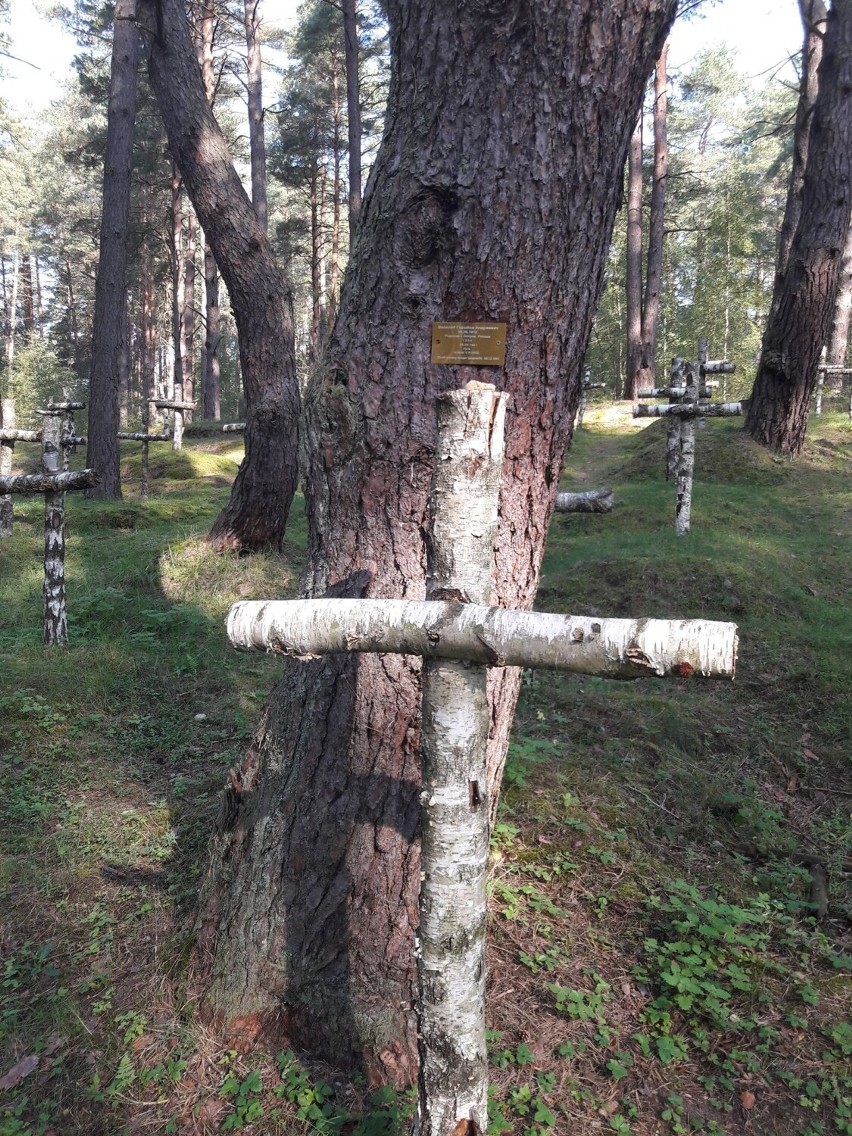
x=718 y=367
x=124 y=436
x=673 y=392
x=20 y=435
x=436 y=629
x=50 y=482
x=690 y=410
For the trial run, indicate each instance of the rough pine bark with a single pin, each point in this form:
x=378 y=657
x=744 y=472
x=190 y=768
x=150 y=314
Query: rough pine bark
x=492 y=198
x=111 y=283
x=803 y=303
x=814 y=15
x=256 y=513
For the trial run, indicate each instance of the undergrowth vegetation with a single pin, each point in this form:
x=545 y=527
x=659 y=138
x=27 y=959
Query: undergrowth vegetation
x=669 y=947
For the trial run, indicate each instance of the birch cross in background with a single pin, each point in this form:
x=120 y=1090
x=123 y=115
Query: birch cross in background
x=180 y=408
x=53 y=484
x=459 y=637
x=682 y=413
x=585 y=387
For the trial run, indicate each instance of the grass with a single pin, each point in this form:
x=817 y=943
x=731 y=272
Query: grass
x=656 y=964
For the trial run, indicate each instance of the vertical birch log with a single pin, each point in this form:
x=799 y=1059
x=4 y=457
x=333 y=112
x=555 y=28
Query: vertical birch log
x=453 y=1078
x=146 y=427
x=55 y=620
x=686 y=463
x=7 y=420
x=678 y=379
x=584 y=395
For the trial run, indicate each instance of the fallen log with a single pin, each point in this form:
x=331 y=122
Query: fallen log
x=49 y=482
x=591 y=501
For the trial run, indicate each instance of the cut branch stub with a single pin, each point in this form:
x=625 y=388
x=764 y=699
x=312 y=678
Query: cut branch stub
x=613 y=648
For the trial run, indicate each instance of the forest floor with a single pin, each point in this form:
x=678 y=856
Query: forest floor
x=669 y=946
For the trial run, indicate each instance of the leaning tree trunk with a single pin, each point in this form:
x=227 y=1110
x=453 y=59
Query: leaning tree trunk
x=111 y=283
x=256 y=514
x=492 y=198
x=802 y=309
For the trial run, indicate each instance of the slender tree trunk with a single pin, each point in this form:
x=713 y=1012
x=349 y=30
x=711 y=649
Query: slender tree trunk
x=72 y=319
x=353 y=111
x=634 y=262
x=656 y=220
x=111 y=286
x=334 y=272
x=838 y=342
x=316 y=263
x=493 y=197
x=149 y=332
x=257 y=135
x=27 y=297
x=178 y=294
x=803 y=307
x=188 y=315
x=210 y=374
x=13 y=306
x=256 y=514
x=39 y=309
x=124 y=368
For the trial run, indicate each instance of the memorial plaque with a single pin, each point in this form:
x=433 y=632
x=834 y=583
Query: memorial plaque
x=473 y=344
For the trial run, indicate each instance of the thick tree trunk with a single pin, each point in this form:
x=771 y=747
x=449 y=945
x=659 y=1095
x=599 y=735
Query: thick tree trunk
x=814 y=16
x=256 y=514
x=353 y=111
x=493 y=197
x=802 y=310
x=257 y=134
x=633 y=270
x=656 y=227
x=111 y=286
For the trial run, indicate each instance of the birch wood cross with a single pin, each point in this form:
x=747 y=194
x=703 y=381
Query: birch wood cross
x=585 y=387
x=682 y=413
x=179 y=407
x=54 y=484
x=459 y=636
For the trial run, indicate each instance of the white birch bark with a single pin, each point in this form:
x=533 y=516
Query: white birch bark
x=673 y=392
x=49 y=482
x=142 y=437
x=612 y=648
x=234 y=428
x=584 y=396
x=678 y=386
x=689 y=410
x=55 y=619
x=11 y=435
x=591 y=501
x=453 y=1078
x=7 y=447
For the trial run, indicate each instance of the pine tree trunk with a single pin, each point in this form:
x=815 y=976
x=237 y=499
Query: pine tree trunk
x=353 y=111
x=838 y=342
x=803 y=307
x=814 y=16
x=493 y=197
x=256 y=514
x=656 y=228
x=634 y=262
x=111 y=284
x=178 y=265
x=211 y=371
x=257 y=135
x=187 y=339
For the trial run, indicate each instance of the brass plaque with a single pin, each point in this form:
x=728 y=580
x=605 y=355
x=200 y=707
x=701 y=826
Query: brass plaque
x=473 y=344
